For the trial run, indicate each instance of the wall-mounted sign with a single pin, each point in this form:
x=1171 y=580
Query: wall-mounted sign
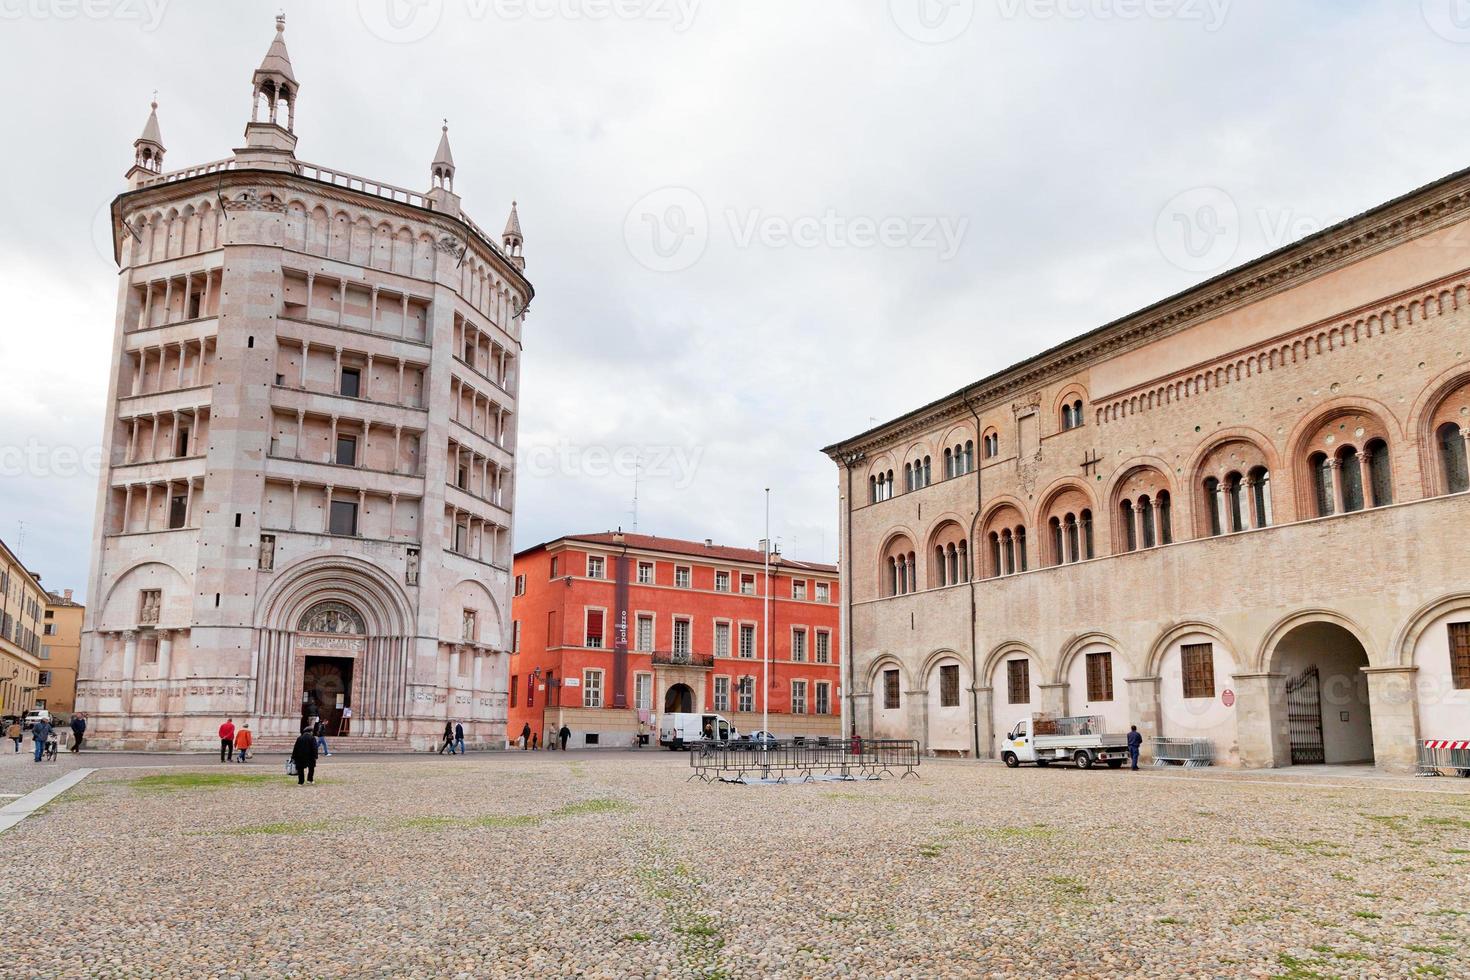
x=1228 y=698
x=573 y=682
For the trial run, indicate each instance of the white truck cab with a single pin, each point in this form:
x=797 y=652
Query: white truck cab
x=680 y=729
x=1041 y=739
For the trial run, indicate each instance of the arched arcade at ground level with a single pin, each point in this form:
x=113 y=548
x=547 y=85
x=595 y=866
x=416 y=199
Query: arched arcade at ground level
x=1315 y=687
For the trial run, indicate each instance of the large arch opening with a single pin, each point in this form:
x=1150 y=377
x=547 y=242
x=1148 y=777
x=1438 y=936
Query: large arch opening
x=680 y=698
x=1325 y=711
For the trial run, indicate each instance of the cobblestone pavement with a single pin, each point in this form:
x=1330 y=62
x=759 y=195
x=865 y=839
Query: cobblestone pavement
x=613 y=866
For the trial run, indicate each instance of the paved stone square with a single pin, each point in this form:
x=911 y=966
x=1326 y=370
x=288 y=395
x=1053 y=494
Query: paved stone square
x=550 y=865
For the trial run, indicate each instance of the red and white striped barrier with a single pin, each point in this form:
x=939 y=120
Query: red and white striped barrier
x=1441 y=743
x=1443 y=756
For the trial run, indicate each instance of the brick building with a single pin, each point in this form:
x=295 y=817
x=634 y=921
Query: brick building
x=1238 y=514
x=305 y=504
x=61 y=650
x=692 y=638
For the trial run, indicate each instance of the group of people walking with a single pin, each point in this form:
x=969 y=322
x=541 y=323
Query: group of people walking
x=532 y=740
x=46 y=738
x=235 y=743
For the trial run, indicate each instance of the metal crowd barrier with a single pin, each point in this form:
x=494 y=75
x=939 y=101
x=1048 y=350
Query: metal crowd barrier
x=1443 y=757
x=1189 y=753
x=805 y=760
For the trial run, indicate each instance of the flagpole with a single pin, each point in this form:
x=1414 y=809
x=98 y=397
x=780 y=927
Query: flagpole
x=766 y=626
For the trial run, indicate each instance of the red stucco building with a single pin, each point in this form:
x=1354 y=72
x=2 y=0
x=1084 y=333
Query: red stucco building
x=611 y=630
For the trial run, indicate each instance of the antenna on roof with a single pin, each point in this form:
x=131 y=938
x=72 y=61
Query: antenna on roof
x=20 y=541
x=637 y=462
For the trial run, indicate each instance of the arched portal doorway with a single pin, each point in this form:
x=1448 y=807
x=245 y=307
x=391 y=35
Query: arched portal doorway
x=680 y=697
x=1325 y=711
x=329 y=639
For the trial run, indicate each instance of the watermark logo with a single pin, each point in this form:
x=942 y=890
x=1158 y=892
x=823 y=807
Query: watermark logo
x=1199 y=230
x=400 y=21
x=667 y=230
x=47 y=461
x=1210 y=14
x=148 y=14
x=942 y=234
x=932 y=21
x=677 y=464
x=1450 y=19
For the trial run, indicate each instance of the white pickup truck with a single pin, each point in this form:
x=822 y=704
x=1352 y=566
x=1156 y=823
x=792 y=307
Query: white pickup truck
x=680 y=729
x=1043 y=740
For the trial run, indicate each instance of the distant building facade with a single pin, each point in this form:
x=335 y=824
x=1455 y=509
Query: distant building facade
x=305 y=509
x=614 y=630
x=1238 y=515
x=61 y=650
x=22 y=604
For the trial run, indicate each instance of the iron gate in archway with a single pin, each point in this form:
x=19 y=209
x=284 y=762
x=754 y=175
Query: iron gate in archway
x=1304 y=718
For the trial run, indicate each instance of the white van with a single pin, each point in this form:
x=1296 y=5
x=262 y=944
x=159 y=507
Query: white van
x=39 y=714
x=680 y=729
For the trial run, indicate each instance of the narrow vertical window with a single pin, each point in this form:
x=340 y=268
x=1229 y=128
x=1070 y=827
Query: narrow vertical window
x=1452 y=458
x=1099 y=677
x=1350 y=473
x=1380 y=473
x=1018 y=681
x=1321 y=468
x=1130 y=529
x=1146 y=517
x=1058 y=555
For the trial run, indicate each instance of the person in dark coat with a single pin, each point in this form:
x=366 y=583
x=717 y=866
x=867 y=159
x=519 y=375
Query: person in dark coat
x=526 y=737
x=459 y=738
x=448 y=738
x=563 y=735
x=1135 y=742
x=303 y=753
x=78 y=730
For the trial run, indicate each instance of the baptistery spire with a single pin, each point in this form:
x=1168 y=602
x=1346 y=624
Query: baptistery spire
x=147 y=149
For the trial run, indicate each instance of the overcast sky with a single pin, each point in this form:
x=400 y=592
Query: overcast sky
x=755 y=227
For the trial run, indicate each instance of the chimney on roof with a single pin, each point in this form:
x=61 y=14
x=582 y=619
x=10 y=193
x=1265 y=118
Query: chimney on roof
x=709 y=542
x=66 y=594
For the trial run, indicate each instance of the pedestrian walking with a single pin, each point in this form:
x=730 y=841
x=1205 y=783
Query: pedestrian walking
x=459 y=737
x=78 y=730
x=227 y=740
x=448 y=738
x=1135 y=742
x=303 y=756
x=14 y=734
x=535 y=741
x=563 y=735
x=526 y=736
x=319 y=731
x=40 y=732
x=243 y=740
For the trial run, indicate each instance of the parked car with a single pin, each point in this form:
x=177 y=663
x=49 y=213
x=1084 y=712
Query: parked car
x=39 y=714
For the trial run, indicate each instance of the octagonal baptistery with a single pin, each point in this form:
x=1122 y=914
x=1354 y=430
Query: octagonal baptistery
x=306 y=498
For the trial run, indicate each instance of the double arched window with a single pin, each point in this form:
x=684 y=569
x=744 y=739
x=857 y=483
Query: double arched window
x=880 y=486
x=1450 y=442
x=1071 y=538
x=1350 y=480
x=1072 y=415
x=959 y=460
x=992 y=444
x=1238 y=503
x=916 y=475
x=1148 y=521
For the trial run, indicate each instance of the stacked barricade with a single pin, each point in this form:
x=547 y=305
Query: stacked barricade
x=1443 y=757
x=806 y=760
x=1187 y=753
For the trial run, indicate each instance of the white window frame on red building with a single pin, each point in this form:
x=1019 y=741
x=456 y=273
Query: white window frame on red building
x=722 y=698
x=722 y=576
x=822 y=647
x=591 y=692
x=683 y=577
x=715 y=637
x=651 y=569
x=586 y=627
x=642 y=691
x=800 y=633
x=798 y=704
x=754 y=640
x=596 y=567
x=824 y=592
x=688 y=623
x=638 y=618
x=745 y=693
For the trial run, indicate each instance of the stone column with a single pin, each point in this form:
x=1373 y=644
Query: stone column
x=327 y=510
x=129 y=667
x=1261 y=727
x=295 y=493
x=1365 y=479
x=1335 y=466
x=1143 y=705
x=984 y=700
x=165 y=652
x=367 y=377
x=1394 y=703
x=1053 y=699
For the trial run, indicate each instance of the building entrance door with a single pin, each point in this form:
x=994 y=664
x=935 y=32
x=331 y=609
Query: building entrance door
x=326 y=691
x=679 y=698
x=1304 y=718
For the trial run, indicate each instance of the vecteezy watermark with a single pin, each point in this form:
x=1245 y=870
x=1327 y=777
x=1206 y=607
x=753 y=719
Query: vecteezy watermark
x=1450 y=19
x=677 y=464
x=943 y=234
x=407 y=21
x=148 y=13
x=669 y=229
x=47 y=462
x=932 y=21
x=1199 y=230
x=1211 y=14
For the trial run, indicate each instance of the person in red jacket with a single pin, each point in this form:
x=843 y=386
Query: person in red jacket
x=226 y=740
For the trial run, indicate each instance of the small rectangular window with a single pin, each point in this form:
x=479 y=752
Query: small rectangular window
x=824 y=648
x=681 y=636
x=722 y=639
x=890 y=689
x=347 y=450
x=1018 y=681
x=824 y=698
x=181 y=445
x=682 y=577
x=1460 y=655
x=722 y=581
x=643 y=692
x=747 y=585
x=1099 y=677
x=644 y=639
x=351 y=382
x=596 y=567
x=824 y=592
x=645 y=573
x=722 y=694
x=520 y=585
x=949 y=686
x=747 y=641
x=177 y=508
x=555 y=566
x=1198 y=670
x=798 y=646
x=344 y=517
x=798 y=697
x=515 y=636
x=798 y=590
x=515 y=687
x=746 y=693
x=594 y=629
x=591 y=688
